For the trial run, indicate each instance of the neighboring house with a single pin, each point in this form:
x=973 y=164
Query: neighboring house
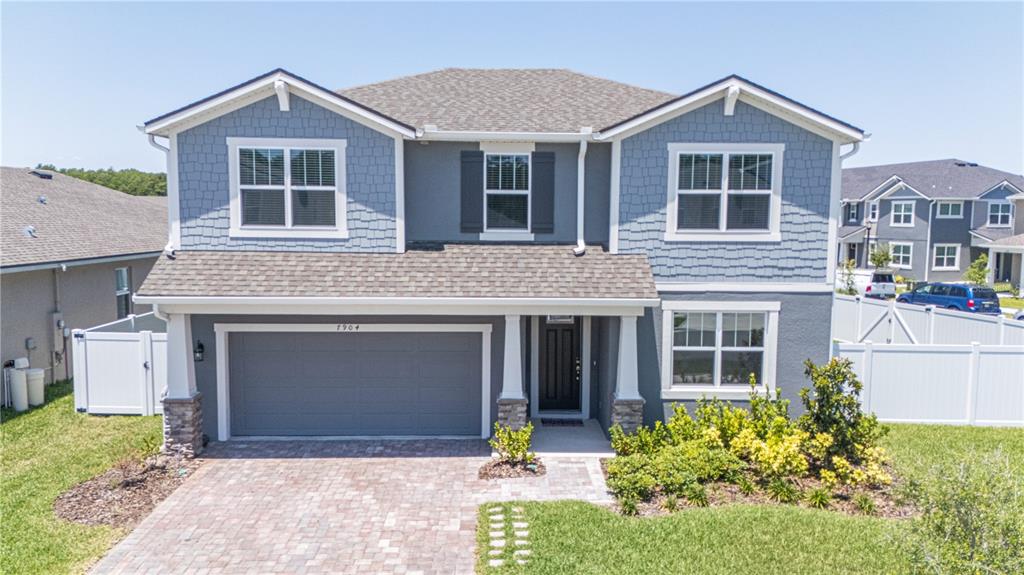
x=429 y=255
x=937 y=217
x=72 y=253
x=1008 y=252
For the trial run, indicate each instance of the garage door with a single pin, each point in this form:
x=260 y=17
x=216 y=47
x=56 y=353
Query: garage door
x=368 y=383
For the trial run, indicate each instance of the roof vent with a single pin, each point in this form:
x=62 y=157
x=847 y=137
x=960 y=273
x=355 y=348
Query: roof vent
x=30 y=232
x=966 y=164
x=41 y=175
x=41 y=200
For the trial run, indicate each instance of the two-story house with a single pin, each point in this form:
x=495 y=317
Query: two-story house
x=936 y=217
x=429 y=255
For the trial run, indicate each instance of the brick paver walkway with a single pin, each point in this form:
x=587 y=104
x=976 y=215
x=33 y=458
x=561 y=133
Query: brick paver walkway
x=335 y=507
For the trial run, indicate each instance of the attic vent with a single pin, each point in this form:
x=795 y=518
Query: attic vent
x=29 y=231
x=41 y=175
x=41 y=200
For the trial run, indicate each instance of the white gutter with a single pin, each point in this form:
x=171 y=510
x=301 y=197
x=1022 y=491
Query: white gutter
x=392 y=301
x=854 y=150
x=431 y=133
x=581 y=161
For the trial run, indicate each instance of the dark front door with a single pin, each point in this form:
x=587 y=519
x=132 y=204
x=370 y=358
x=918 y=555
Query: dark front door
x=560 y=367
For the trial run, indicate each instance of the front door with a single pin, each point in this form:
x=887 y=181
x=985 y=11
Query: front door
x=560 y=365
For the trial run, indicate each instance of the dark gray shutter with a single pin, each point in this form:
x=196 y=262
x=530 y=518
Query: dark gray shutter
x=543 y=193
x=472 y=191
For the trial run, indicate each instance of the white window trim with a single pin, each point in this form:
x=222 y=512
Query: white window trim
x=690 y=391
x=338 y=231
x=854 y=210
x=892 y=213
x=509 y=149
x=938 y=210
x=956 y=258
x=988 y=215
x=772 y=234
x=873 y=209
x=910 y=255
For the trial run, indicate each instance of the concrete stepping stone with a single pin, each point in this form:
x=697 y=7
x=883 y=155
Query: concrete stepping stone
x=522 y=533
x=496 y=562
x=520 y=524
x=497 y=534
x=497 y=543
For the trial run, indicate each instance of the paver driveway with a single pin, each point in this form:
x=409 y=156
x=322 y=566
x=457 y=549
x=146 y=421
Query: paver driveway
x=335 y=507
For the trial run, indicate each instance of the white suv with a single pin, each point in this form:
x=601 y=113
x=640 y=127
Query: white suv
x=881 y=285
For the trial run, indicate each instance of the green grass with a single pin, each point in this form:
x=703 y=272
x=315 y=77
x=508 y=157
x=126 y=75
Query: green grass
x=573 y=537
x=1014 y=302
x=43 y=452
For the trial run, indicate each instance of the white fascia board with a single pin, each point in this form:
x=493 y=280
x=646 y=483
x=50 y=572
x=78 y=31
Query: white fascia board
x=743 y=287
x=1001 y=184
x=883 y=186
x=78 y=263
x=263 y=88
x=770 y=103
x=467 y=136
x=399 y=305
x=901 y=186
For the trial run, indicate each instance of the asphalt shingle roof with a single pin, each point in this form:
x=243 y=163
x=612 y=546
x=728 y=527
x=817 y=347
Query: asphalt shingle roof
x=507 y=100
x=936 y=179
x=1017 y=240
x=453 y=270
x=79 y=220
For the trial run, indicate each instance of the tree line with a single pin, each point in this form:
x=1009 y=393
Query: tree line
x=129 y=180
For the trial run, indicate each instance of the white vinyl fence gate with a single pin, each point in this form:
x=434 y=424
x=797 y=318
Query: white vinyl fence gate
x=121 y=367
x=927 y=365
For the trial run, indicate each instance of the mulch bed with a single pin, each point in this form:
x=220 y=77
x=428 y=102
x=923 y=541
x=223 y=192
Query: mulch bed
x=125 y=494
x=497 y=469
x=887 y=502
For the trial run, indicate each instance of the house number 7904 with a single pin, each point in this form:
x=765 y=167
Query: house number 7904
x=348 y=327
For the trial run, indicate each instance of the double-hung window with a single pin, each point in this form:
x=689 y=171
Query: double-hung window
x=507 y=192
x=999 y=214
x=902 y=254
x=946 y=257
x=714 y=348
x=287 y=188
x=873 y=211
x=854 y=213
x=950 y=210
x=123 y=291
x=724 y=192
x=902 y=214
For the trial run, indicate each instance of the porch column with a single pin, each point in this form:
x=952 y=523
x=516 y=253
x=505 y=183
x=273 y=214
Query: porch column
x=183 y=416
x=627 y=405
x=512 y=402
x=990 y=271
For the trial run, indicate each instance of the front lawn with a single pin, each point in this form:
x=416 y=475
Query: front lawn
x=573 y=537
x=43 y=453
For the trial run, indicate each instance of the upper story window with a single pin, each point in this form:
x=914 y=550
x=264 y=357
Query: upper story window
x=724 y=192
x=123 y=291
x=287 y=188
x=902 y=214
x=714 y=348
x=1000 y=214
x=950 y=210
x=854 y=213
x=873 y=211
x=507 y=192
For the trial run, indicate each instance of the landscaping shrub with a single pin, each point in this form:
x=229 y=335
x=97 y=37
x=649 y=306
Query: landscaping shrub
x=819 y=497
x=513 y=446
x=972 y=519
x=832 y=406
x=632 y=476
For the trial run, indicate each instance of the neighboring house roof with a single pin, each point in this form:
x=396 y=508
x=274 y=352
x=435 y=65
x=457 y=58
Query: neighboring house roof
x=992 y=234
x=847 y=231
x=79 y=220
x=507 y=100
x=935 y=179
x=1016 y=241
x=448 y=271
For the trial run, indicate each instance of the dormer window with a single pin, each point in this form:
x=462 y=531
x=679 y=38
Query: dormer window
x=287 y=188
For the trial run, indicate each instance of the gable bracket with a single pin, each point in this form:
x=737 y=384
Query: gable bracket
x=731 y=96
x=281 y=88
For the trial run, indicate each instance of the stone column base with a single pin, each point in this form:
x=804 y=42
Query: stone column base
x=183 y=425
x=512 y=412
x=628 y=413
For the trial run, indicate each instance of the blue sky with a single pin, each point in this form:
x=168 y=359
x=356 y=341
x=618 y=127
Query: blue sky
x=928 y=80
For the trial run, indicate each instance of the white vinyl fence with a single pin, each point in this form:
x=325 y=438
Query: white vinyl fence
x=927 y=365
x=858 y=319
x=121 y=367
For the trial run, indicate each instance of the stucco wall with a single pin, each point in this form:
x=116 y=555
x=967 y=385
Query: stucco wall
x=87 y=300
x=801 y=256
x=203 y=177
x=804 y=333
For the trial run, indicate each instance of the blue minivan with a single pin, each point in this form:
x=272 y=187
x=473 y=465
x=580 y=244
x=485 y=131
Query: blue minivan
x=964 y=297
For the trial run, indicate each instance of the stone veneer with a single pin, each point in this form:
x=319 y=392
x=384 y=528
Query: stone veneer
x=183 y=425
x=628 y=413
x=512 y=412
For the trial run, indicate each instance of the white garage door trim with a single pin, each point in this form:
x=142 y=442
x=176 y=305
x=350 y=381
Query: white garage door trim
x=223 y=329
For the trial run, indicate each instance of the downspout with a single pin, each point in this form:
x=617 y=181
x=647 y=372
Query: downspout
x=581 y=246
x=928 y=242
x=157 y=313
x=169 y=248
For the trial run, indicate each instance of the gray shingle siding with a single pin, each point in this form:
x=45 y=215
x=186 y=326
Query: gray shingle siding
x=801 y=256
x=203 y=177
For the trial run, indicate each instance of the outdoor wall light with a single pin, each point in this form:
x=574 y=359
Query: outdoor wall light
x=198 y=350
